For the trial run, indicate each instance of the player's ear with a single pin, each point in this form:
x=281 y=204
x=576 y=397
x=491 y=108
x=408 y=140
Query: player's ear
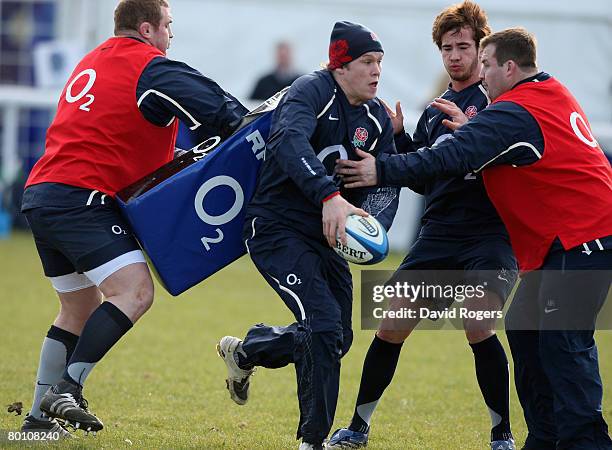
x=511 y=67
x=145 y=29
x=342 y=69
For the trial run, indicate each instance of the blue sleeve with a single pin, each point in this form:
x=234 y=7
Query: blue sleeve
x=503 y=133
x=293 y=124
x=419 y=138
x=168 y=89
x=380 y=202
x=405 y=144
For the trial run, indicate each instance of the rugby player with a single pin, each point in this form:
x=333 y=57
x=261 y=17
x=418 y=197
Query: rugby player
x=298 y=210
x=116 y=122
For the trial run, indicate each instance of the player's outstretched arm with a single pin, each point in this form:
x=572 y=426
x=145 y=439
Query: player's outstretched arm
x=170 y=89
x=502 y=134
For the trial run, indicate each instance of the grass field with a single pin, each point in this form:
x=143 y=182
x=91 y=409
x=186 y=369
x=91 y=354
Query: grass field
x=163 y=385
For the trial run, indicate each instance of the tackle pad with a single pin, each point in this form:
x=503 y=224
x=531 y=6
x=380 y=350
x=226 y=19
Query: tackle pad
x=188 y=214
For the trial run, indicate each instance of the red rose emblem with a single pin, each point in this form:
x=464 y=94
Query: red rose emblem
x=471 y=111
x=360 y=137
x=361 y=134
x=338 y=54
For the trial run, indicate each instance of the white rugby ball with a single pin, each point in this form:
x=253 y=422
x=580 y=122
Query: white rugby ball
x=366 y=241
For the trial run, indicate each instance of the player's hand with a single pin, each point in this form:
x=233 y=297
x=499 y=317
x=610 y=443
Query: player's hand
x=358 y=173
x=335 y=212
x=397 y=116
x=451 y=109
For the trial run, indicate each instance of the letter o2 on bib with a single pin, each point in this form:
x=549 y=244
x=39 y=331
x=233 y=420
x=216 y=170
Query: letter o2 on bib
x=70 y=98
x=574 y=118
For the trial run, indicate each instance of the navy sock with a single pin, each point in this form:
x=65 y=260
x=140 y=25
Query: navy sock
x=65 y=337
x=102 y=330
x=493 y=378
x=378 y=370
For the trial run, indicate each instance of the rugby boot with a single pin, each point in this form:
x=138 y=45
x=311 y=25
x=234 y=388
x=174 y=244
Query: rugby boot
x=49 y=426
x=237 y=381
x=65 y=401
x=345 y=438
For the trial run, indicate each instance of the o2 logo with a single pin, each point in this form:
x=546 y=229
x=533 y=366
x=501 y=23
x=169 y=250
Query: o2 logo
x=116 y=229
x=201 y=150
x=292 y=279
x=221 y=219
x=339 y=152
x=72 y=97
x=258 y=147
x=589 y=140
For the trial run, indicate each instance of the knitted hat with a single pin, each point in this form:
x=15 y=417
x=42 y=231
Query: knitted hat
x=349 y=41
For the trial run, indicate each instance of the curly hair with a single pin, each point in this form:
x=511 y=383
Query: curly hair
x=466 y=14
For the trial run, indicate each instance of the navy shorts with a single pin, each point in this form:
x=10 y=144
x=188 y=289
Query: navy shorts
x=486 y=260
x=310 y=277
x=81 y=231
x=567 y=292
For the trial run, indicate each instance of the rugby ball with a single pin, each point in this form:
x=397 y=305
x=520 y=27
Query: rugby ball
x=366 y=241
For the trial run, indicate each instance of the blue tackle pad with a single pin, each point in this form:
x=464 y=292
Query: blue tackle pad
x=188 y=215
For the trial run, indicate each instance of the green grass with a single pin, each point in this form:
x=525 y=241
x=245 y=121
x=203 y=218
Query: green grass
x=163 y=386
